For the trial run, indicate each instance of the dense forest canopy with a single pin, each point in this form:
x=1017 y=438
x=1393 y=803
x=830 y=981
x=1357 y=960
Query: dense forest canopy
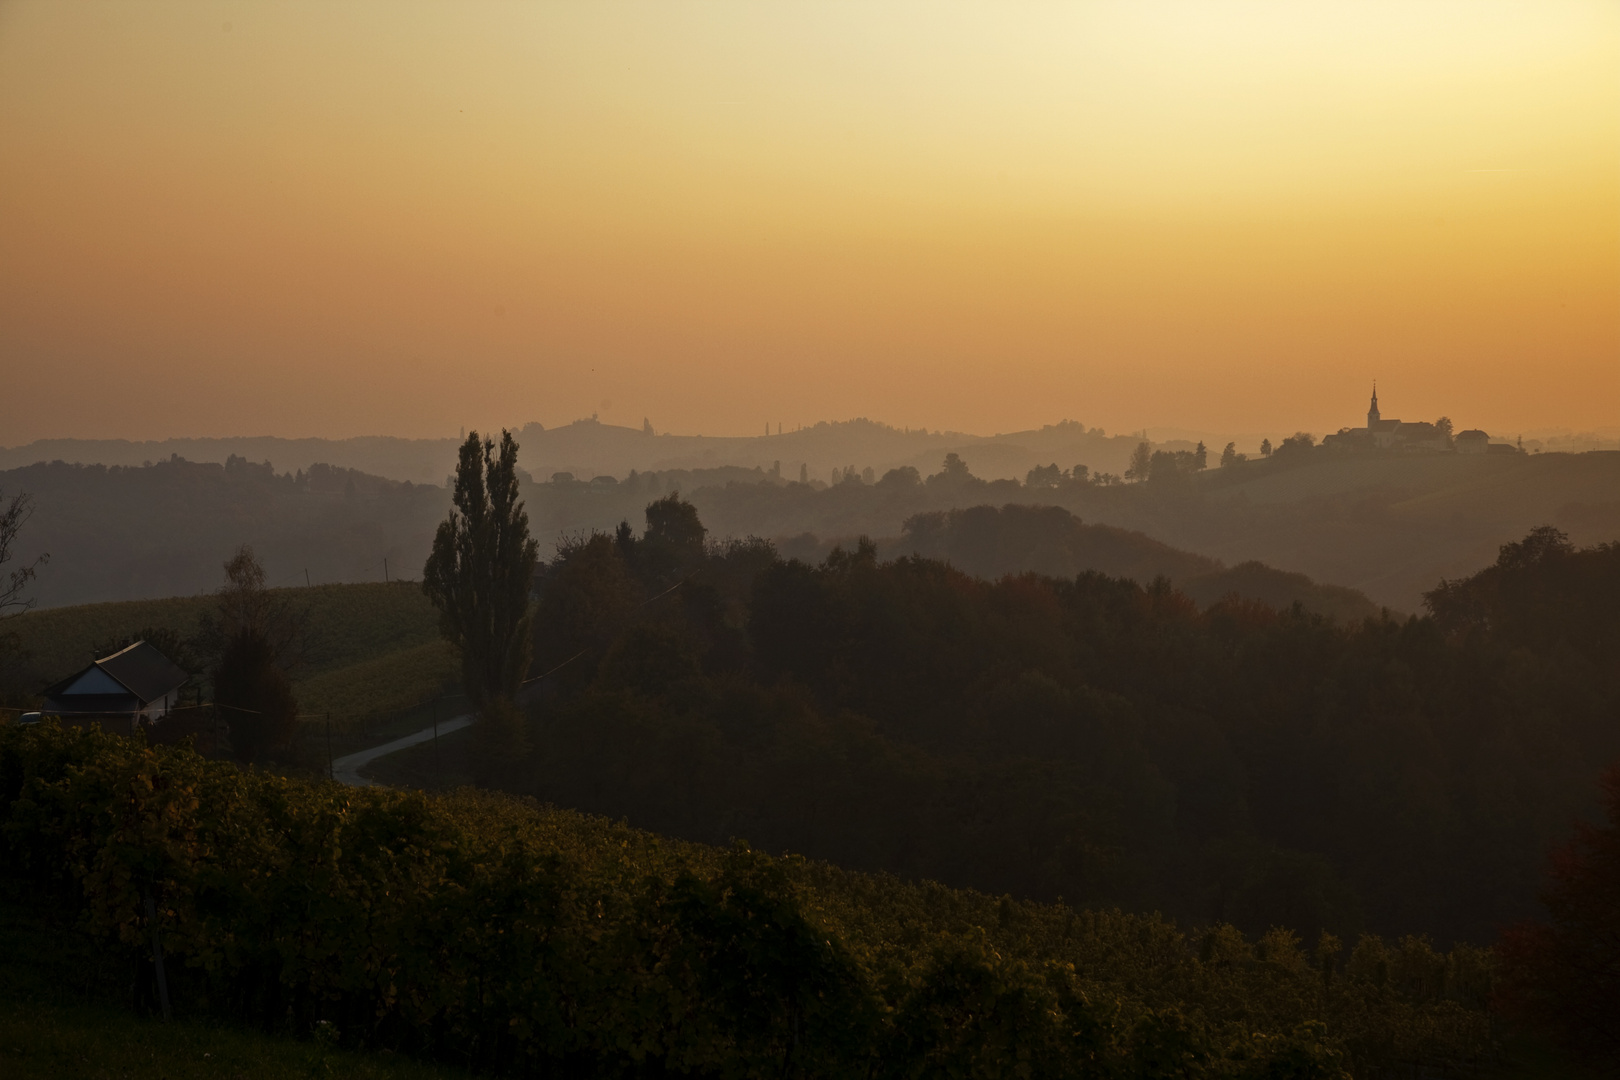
x=1085 y=737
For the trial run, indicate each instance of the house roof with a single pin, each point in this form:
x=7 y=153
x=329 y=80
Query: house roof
x=146 y=672
x=139 y=670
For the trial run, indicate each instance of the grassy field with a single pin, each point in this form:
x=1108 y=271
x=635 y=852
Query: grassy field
x=60 y=1016
x=365 y=692
x=374 y=649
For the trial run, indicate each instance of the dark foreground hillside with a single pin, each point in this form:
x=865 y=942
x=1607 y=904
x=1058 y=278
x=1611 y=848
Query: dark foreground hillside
x=502 y=935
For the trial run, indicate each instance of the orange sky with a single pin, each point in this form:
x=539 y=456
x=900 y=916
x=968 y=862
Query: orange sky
x=403 y=218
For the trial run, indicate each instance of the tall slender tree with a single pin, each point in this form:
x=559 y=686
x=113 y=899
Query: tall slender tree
x=1141 y=462
x=480 y=574
x=255 y=638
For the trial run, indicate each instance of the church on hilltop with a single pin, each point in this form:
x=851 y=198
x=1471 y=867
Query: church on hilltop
x=1417 y=436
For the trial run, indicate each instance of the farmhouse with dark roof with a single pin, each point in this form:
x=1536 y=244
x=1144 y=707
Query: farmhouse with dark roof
x=135 y=685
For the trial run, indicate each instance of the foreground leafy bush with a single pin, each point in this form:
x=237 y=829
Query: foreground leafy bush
x=501 y=934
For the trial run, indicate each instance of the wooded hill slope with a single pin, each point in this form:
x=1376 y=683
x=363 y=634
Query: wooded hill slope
x=1086 y=737
x=1386 y=524
x=165 y=529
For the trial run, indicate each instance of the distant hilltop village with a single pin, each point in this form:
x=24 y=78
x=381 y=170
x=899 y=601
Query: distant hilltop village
x=1417 y=436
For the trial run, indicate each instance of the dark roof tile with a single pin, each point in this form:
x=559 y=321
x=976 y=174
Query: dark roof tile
x=148 y=673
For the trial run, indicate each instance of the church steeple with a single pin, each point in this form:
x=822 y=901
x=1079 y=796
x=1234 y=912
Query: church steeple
x=1372 y=410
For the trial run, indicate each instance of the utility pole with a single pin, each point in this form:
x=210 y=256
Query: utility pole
x=385 y=568
x=307 y=585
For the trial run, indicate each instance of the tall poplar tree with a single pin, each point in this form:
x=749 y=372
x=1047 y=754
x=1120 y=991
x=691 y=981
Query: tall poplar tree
x=480 y=574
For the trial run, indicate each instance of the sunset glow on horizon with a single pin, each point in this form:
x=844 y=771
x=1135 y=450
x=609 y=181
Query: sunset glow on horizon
x=405 y=218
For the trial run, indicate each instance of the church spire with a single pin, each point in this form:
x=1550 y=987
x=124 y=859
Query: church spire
x=1372 y=410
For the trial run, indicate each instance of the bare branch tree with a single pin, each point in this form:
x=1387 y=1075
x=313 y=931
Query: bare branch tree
x=13 y=517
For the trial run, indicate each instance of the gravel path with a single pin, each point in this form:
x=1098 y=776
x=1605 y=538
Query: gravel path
x=346 y=769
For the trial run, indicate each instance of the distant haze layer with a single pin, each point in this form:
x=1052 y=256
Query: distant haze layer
x=347 y=219
x=590 y=448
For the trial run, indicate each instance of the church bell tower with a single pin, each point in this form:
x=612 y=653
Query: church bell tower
x=1372 y=410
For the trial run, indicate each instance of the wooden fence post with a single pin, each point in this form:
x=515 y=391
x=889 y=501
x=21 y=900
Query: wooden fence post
x=157 y=955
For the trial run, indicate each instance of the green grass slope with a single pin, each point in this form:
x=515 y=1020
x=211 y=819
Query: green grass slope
x=373 y=648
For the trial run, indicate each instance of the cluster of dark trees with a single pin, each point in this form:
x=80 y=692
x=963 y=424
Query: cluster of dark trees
x=1085 y=737
x=1389 y=526
x=1162 y=466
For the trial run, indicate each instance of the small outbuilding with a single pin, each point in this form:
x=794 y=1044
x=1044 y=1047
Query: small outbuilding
x=135 y=685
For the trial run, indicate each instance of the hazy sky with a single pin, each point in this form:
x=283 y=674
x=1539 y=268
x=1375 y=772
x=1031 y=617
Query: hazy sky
x=402 y=218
